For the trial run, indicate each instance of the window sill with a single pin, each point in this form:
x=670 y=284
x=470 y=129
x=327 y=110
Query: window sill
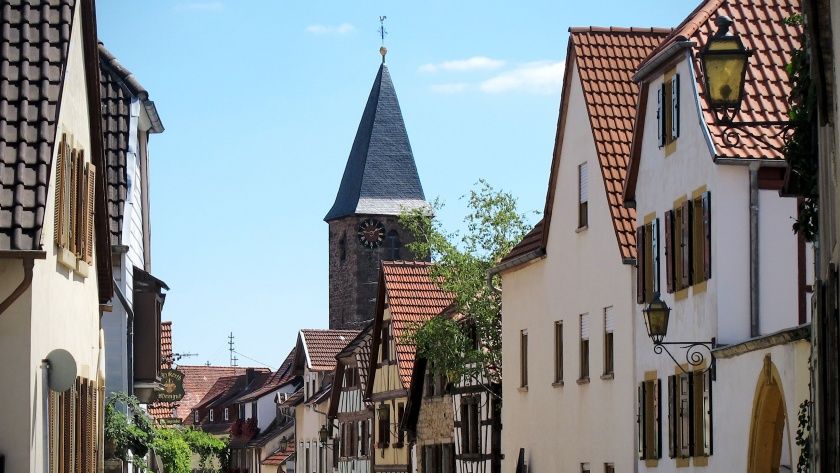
x=522 y=389
x=606 y=376
x=557 y=384
x=584 y=380
x=582 y=229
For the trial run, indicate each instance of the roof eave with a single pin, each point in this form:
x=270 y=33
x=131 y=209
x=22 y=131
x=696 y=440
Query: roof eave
x=661 y=58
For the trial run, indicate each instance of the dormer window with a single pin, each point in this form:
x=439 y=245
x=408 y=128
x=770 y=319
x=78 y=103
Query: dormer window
x=386 y=342
x=195 y=416
x=74 y=204
x=211 y=415
x=227 y=414
x=583 y=196
x=668 y=110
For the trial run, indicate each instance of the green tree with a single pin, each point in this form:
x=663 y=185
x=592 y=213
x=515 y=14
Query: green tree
x=463 y=260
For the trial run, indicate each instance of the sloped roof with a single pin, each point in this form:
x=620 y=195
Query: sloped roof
x=198 y=379
x=413 y=298
x=381 y=176
x=318 y=347
x=283 y=375
x=278 y=457
x=530 y=243
x=164 y=410
x=118 y=86
x=359 y=350
x=606 y=59
x=760 y=25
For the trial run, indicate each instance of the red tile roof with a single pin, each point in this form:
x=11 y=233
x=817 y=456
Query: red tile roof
x=760 y=25
x=164 y=410
x=413 y=298
x=606 y=59
x=198 y=380
x=320 y=346
x=278 y=457
x=283 y=375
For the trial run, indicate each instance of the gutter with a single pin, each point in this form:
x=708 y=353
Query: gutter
x=782 y=337
x=129 y=336
x=512 y=263
x=763 y=162
x=661 y=58
x=755 y=329
x=28 y=260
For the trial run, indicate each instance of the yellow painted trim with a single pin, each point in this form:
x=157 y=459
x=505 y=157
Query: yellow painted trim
x=670 y=148
x=651 y=376
x=649 y=218
x=680 y=200
x=698 y=192
x=700 y=287
x=651 y=463
x=681 y=294
x=701 y=461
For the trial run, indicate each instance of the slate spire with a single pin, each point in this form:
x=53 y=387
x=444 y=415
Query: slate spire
x=380 y=177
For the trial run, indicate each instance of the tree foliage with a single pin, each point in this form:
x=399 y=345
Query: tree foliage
x=463 y=260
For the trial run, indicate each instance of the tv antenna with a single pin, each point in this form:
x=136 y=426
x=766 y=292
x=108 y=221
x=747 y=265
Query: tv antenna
x=233 y=359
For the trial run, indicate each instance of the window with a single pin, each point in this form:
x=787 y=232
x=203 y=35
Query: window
x=384 y=438
x=195 y=416
x=668 y=110
x=307 y=459
x=254 y=409
x=350 y=377
x=211 y=415
x=386 y=342
x=365 y=439
x=609 y=468
x=609 y=348
x=241 y=411
x=400 y=431
x=334 y=455
x=523 y=359
x=74 y=201
x=690 y=415
x=470 y=424
x=438 y=458
x=584 y=468
x=342 y=248
x=227 y=414
x=435 y=383
x=392 y=245
x=558 y=352
x=583 y=196
x=688 y=239
x=584 y=347
x=648 y=420
x=647 y=262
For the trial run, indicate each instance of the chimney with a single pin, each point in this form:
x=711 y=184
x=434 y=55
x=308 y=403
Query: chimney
x=249 y=376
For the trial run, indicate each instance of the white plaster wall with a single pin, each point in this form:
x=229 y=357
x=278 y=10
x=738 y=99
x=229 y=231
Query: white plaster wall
x=64 y=306
x=308 y=421
x=562 y=427
x=778 y=256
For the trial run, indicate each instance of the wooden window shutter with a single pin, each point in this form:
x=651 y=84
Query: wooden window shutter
x=672 y=416
x=654 y=248
x=62 y=159
x=475 y=429
x=669 y=251
x=640 y=265
x=54 y=434
x=465 y=425
x=90 y=212
x=657 y=419
x=708 y=442
x=707 y=233
x=640 y=421
x=675 y=106
x=94 y=425
x=685 y=244
x=660 y=116
x=685 y=414
x=79 y=440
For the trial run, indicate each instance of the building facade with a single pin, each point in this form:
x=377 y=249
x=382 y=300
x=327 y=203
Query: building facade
x=567 y=307
x=715 y=244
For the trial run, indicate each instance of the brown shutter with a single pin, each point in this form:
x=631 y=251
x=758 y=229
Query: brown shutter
x=707 y=233
x=640 y=421
x=54 y=433
x=669 y=251
x=672 y=416
x=685 y=244
x=707 y=413
x=657 y=420
x=654 y=248
x=465 y=425
x=81 y=205
x=685 y=411
x=640 y=265
x=90 y=212
x=60 y=177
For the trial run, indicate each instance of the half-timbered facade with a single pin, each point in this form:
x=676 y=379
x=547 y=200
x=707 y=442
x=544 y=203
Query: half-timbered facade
x=350 y=415
x=430 y=421
x=407 y=296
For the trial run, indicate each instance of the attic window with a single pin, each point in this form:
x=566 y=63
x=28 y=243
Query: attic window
x=583 y=196
x=74 y=204
x=668 y=110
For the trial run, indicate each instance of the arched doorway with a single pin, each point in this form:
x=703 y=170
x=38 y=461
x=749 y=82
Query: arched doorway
x=768 y=430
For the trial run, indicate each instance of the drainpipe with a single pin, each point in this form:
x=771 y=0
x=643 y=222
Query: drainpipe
x=754 y=263
x=129 y=337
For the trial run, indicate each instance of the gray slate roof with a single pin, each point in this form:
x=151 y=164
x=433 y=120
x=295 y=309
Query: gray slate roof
x=380 y=177
x=35 y=39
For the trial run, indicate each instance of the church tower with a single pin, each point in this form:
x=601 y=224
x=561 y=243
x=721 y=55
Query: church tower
x=380 y=181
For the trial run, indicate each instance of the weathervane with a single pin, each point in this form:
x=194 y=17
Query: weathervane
x=382 y=32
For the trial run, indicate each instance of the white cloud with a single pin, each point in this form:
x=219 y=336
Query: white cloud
x=475 y=63
x=199 y=6
x=452 y=88
x=343 y=28
x=541 y=77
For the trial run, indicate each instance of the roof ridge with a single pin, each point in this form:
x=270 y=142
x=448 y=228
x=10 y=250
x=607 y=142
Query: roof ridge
x=407 y=263
x=620 y=29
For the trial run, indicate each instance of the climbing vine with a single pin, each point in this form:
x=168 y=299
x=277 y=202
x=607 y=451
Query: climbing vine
x=800 y=148
x=803 y=438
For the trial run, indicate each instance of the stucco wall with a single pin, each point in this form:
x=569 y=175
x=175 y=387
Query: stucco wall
x=582 y=273
x=64 y=306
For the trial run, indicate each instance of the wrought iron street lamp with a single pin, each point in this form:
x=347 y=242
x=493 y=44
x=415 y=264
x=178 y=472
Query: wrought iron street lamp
x=284 y=444
x=323 y=435
x=656 y=315
x=724 y=60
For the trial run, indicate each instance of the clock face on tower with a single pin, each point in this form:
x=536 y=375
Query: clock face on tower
x=371 y=233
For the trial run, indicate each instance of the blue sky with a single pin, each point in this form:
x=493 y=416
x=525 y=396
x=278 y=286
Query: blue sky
x=261 y=100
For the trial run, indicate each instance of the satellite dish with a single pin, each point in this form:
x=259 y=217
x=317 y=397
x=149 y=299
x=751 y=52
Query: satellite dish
x=62 y=374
